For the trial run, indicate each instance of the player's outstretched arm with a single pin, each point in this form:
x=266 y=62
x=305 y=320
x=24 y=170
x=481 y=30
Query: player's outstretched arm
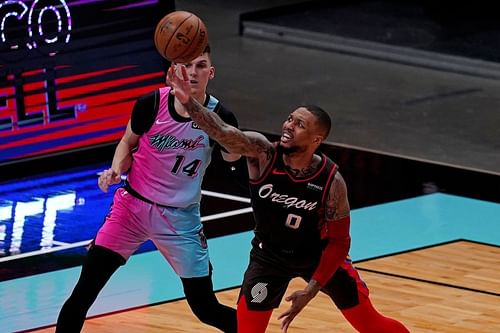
x=250 y=144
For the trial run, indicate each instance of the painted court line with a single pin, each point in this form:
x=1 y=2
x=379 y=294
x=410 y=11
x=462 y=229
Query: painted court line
x=227 y=214
x=225 y=196
x=34 y=301
x=44 y=251
x=6 y=214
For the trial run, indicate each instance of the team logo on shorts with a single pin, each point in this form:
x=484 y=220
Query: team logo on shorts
x=259 y=292
x=203 y=239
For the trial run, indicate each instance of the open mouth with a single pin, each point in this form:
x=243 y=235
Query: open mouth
x=285 y=137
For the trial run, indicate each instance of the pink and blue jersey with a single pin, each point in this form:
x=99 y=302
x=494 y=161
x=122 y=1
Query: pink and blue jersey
x=161 y=201
x=172 y=156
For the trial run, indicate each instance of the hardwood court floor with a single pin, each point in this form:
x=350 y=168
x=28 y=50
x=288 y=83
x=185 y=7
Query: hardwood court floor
x=450 y=288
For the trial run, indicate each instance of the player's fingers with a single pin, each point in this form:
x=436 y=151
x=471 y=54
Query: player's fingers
x=285 y=314
x=185 y=75
x=171 y=75
x=285 y=324
x=117 y=178
x=168 y=77
x=102 y=185
x=112 y=177
x=291 y=297
x=106 y=178
x=173 y=71
x=177 y=70
x=101 y=177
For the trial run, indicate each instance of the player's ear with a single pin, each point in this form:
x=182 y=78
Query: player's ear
x=212 y=72
x=318 y=139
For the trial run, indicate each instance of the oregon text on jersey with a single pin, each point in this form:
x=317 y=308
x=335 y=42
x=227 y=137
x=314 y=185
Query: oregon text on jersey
x=266 y=191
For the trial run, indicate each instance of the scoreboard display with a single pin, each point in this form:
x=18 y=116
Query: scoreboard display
x=70 y=72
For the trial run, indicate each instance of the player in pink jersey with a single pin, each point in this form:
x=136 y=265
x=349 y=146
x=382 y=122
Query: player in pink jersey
x=165 y=155
x=302 y=219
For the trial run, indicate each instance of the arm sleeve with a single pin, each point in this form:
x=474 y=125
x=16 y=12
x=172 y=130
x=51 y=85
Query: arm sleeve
x=144 y=113
x=339 y=241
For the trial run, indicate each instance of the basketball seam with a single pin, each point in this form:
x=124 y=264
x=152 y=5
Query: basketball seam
x=178 y=26
x=182 y=55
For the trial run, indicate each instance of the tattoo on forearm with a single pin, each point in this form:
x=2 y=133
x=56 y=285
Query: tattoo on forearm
x=202 y=117
x=264 y=148
x=216 y=128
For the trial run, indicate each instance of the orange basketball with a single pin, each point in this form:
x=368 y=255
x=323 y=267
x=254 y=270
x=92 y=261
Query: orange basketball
x=180 y=36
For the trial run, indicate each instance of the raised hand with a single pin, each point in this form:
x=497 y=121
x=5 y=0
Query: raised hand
x=178 y=79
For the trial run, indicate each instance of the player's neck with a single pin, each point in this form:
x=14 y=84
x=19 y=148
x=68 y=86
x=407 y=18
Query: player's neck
x=301 y=164
x=200 y=98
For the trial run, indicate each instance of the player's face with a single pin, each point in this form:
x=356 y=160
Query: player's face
x=299 y=131
x=200 y=71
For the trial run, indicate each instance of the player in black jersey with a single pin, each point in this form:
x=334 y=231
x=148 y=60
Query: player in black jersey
x=302 y=220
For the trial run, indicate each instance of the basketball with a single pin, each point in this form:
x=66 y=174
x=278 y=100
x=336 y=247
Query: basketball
x=180 y=36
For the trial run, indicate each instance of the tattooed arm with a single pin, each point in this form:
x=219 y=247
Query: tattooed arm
x=335 y=228
x=254 y=145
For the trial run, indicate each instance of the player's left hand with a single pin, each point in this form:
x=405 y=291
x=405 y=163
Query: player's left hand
x=178 y=79
x=299 y=300
x=108 y=177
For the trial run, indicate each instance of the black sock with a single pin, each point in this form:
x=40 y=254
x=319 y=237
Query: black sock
x=201 y=298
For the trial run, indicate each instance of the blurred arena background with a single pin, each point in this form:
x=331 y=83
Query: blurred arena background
x=412 y=88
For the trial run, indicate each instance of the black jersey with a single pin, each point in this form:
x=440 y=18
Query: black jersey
x=286 y=209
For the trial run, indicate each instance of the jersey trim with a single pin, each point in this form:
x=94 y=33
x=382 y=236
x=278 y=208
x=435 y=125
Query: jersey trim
x=300 y=180
x=329 y=182
x=271 y=168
